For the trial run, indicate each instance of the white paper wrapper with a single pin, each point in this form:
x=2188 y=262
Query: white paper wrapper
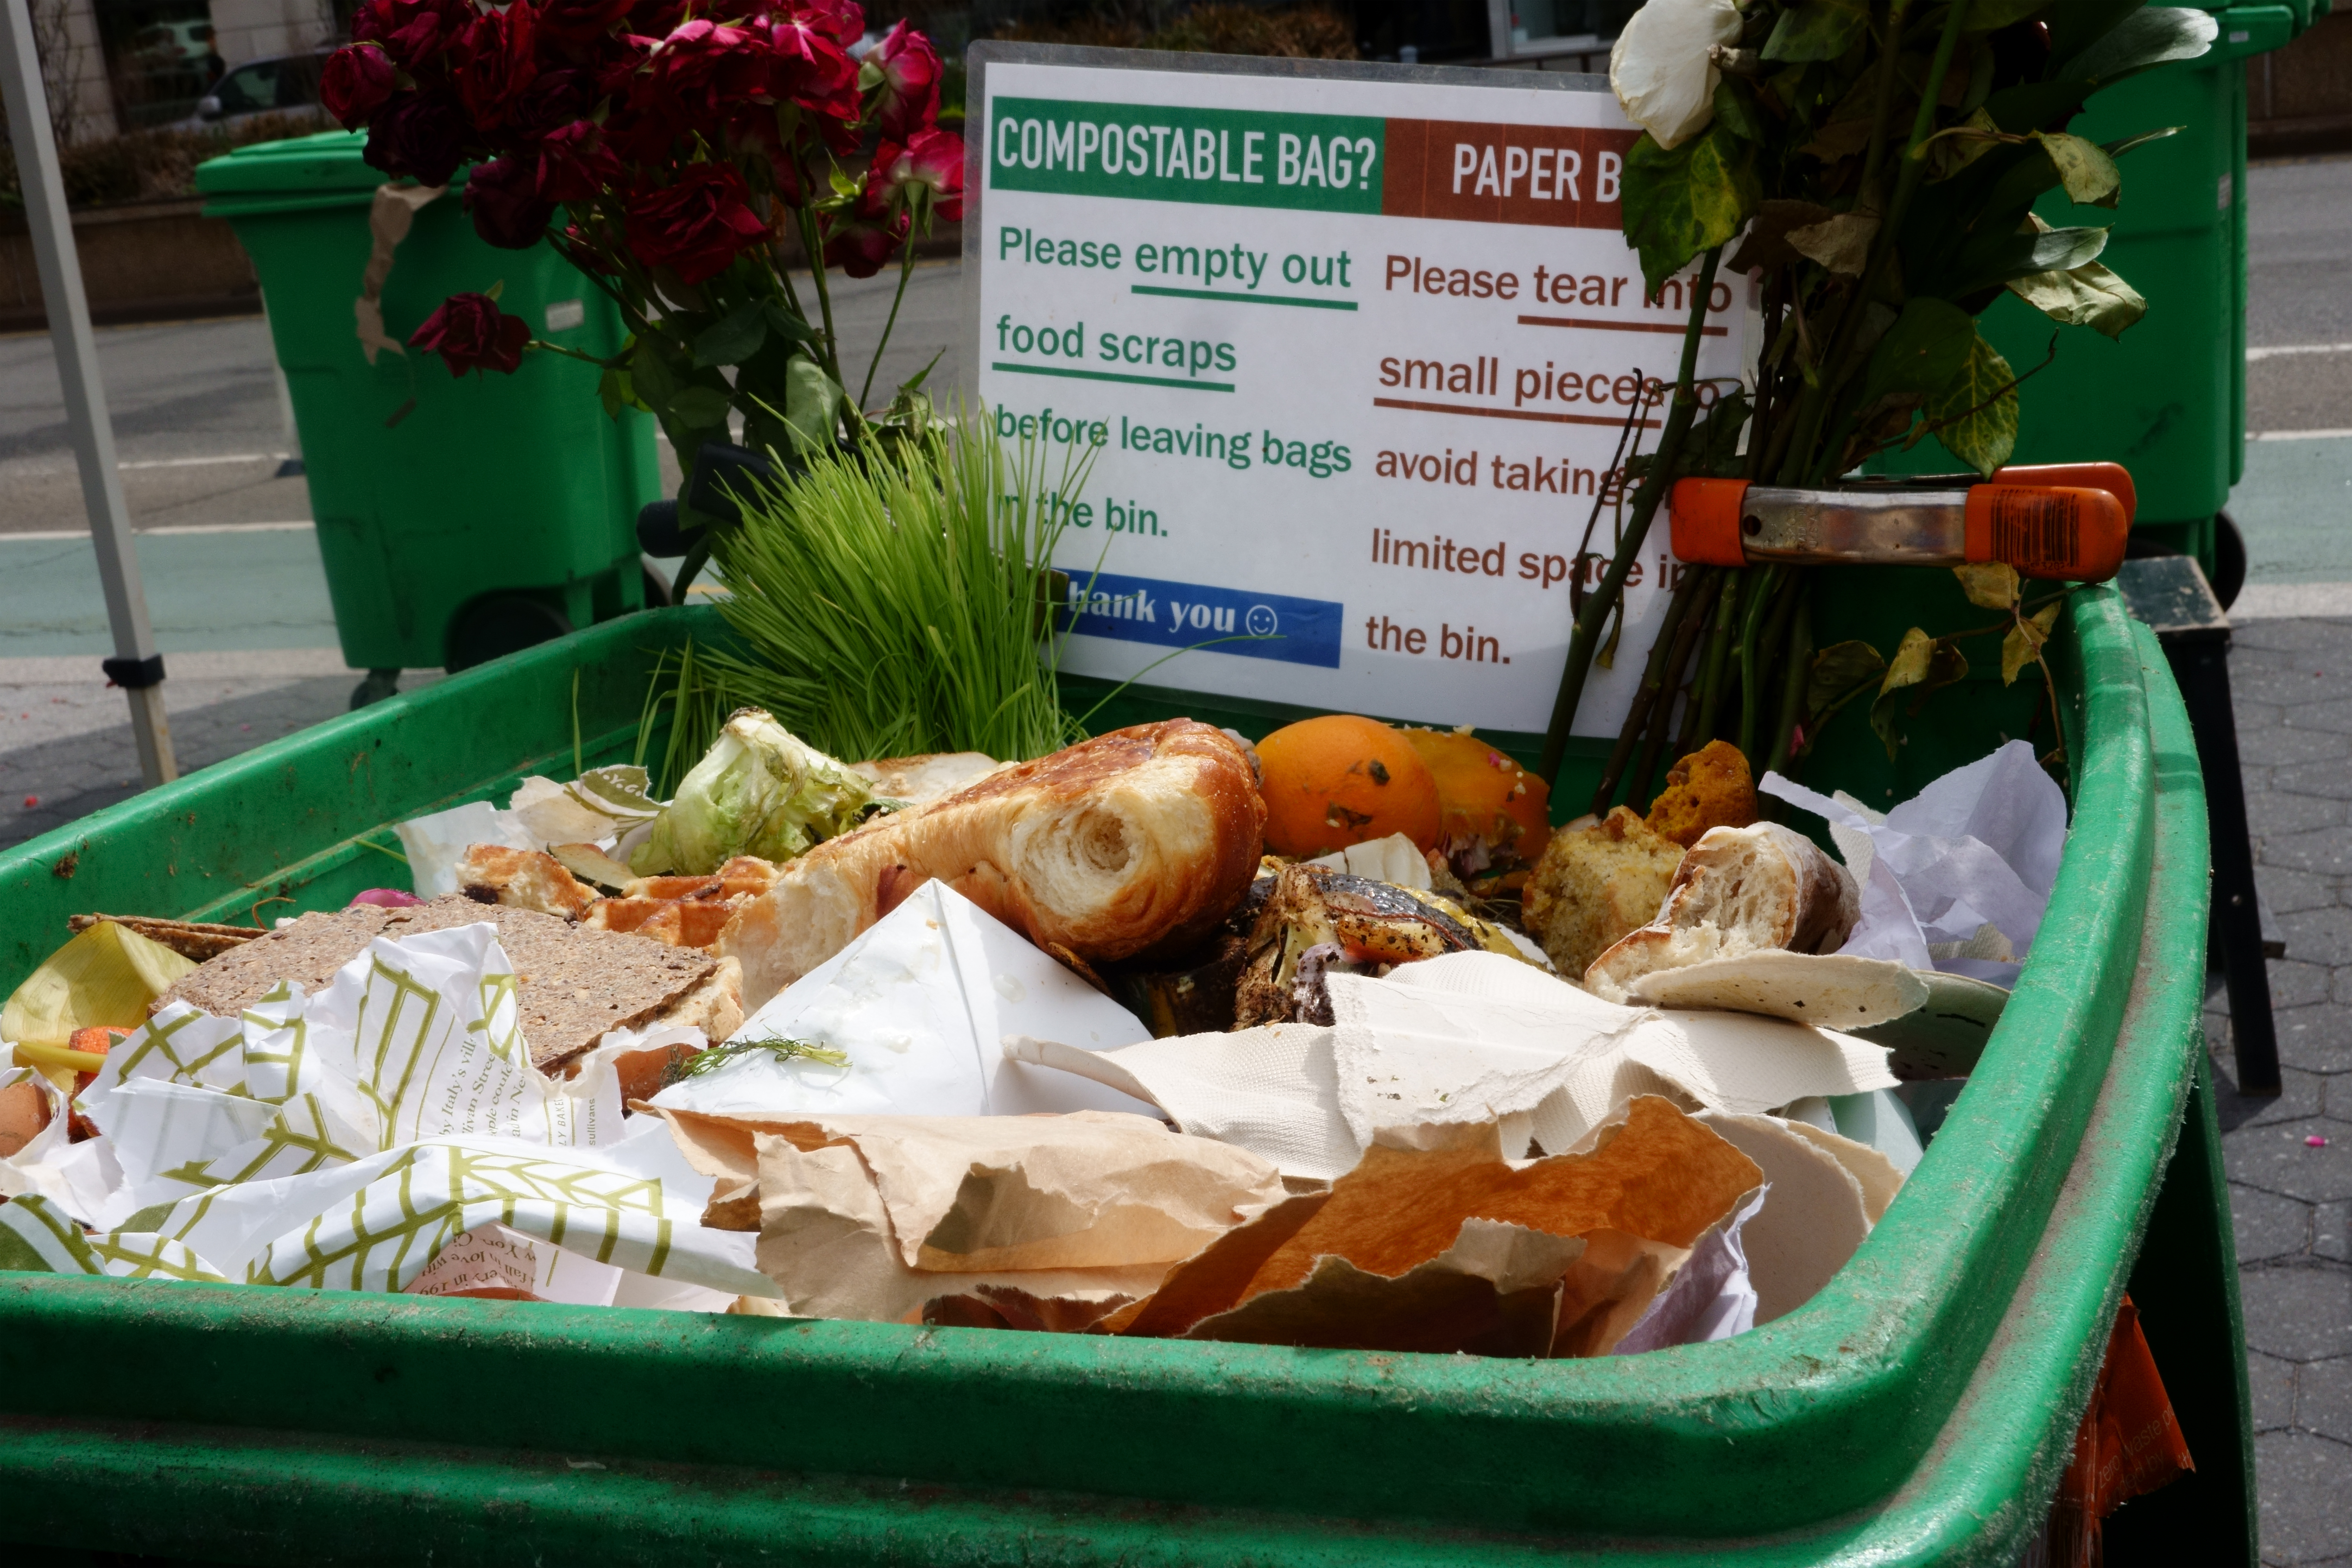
x=1978 y=848
x=435 y=843
x=919 y=1003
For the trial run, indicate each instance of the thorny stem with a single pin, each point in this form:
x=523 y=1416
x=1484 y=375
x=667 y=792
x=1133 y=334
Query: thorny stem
x=1794 y=682
x=1654 y=486
x=1709 y=696
x=1654 y=686
x=815 y=249
x=1686 y=636
x=1767 y=602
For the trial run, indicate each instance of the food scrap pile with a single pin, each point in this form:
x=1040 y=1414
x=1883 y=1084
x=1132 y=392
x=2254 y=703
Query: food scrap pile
x=1327 y=1040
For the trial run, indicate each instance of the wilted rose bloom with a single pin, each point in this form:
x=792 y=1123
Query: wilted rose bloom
x=580 y=21
x=703 y=71
x=696 y=225
x=495 y=61
x=356 y=83
x=1659 y=69
x=422 y=134
x=903 y=73
x=554 y=97
x=927 y=175
x=575 y=164
x=415 y=33
x=470 y=332
x=508 y=210
x=813 y=70
x=862 y=241
x=844 y=19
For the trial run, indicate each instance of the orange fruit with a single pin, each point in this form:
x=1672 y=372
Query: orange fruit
x=1342 y=780
x=1484 y=794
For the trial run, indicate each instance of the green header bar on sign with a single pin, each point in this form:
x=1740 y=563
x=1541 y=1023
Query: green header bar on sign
x=1231 y=157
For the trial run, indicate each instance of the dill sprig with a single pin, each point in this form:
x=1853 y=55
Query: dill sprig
x=783 y=1047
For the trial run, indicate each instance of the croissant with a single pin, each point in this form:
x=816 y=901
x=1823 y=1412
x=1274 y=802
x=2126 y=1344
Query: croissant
x=1134 y=843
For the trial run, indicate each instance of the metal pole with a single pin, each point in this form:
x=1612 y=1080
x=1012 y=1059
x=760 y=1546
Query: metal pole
x=137 y=668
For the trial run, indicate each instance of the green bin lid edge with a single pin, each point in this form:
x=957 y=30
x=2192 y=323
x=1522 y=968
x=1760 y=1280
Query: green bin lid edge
x=302 y=165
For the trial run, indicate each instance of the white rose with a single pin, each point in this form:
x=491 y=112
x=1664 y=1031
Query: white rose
x=1659 y=69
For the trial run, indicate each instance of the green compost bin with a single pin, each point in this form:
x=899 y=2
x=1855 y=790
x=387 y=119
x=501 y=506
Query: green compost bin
x=457 y=518
x=2166 y=400
x=1918 y=1410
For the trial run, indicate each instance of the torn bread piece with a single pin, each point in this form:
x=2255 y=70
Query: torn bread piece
x=918 y=781
x=522 y=879
x=1597 y=879
x=1738 y=890
x=1835 y=991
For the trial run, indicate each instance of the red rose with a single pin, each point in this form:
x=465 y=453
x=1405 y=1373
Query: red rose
x=902 y=73
x=703 y=71
x=356 y=83
x=575 y=164
x=505 y=201
x=811 y=70
x=696 y=225
x=470 y=332
x=844 y=19
x=861 y=242
x=415 y=33
x=580 y=21
x=555 y=98
x=424 y=134
x=494 y=62
x=925 y=176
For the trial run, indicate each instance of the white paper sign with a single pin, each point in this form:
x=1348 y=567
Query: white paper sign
x=1353 y=346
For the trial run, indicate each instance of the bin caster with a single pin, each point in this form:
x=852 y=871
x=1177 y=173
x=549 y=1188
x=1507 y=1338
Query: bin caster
x=2229 y=560
x=500 y=624
x=658 y=594
x=379 y=685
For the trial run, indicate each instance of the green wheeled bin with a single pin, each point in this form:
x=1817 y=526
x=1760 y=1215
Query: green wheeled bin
x=459 y=518
x=1919 y=1410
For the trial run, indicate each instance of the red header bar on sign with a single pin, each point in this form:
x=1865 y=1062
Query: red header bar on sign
x=1556 y=176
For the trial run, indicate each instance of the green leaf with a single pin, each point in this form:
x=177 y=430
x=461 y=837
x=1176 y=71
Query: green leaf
x=2153 y=35
x=2087 y=296
x=1841 y=672
x=2132 y=144
x=1994 y=261
x=652 y=376
x=811 y=404
x=2075 y=25
x=2084 y=168
x=1922 y=351
x=610 y=392
x=1976 y=410
x=787 y=326
x=1734 y=109
x=1817 y=30
x=1921 y=665
x=733 y=338
x=1679 y=202
x=699 y=405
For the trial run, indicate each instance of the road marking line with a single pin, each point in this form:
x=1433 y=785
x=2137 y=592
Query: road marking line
x=2297 y=434
x=2252 y=355
x=204 y=462
x=55 y=534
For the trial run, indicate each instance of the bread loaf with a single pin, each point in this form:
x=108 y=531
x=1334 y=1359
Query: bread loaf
x=1135 y=842
x=1738 y=891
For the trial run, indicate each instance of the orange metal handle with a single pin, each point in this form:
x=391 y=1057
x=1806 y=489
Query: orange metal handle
x=1705 y=518
x=2071 y=533
x=2112 y=478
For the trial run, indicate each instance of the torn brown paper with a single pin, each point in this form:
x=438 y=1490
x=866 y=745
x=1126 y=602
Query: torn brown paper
x=1879 y=1177
x=1496 y=1291
x=1651 y=1172
x=825 y=1238
x=1604 y=1293
x=390 y=216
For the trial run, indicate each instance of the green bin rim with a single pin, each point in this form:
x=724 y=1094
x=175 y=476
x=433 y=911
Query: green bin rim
x=264 y=175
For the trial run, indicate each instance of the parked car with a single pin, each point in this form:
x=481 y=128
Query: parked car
x=282 y=84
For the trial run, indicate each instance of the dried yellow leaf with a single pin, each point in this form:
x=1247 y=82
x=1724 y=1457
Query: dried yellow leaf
x=1989 y=585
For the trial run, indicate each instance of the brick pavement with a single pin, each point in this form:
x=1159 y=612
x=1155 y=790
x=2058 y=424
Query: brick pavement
x=2292 y=1201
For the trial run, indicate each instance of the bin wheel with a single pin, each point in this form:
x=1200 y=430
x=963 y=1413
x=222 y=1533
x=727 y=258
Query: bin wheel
x=658 y=594
x=500 y=624
x=379 y=685
x=2229 y=560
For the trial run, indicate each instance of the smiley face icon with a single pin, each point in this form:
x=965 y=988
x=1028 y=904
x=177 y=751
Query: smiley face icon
x=1262 y=621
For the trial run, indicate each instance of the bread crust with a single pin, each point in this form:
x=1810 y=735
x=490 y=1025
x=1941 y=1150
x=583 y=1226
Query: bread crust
x=1134 y=843
x=1738 y=891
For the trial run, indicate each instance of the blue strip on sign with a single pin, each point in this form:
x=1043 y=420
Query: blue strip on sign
x=1236 y=621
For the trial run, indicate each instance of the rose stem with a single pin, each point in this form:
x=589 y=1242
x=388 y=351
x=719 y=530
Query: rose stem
x=1654 y=486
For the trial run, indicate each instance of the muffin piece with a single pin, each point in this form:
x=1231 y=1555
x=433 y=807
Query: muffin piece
x=1597 y=879
x=1709 y=788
